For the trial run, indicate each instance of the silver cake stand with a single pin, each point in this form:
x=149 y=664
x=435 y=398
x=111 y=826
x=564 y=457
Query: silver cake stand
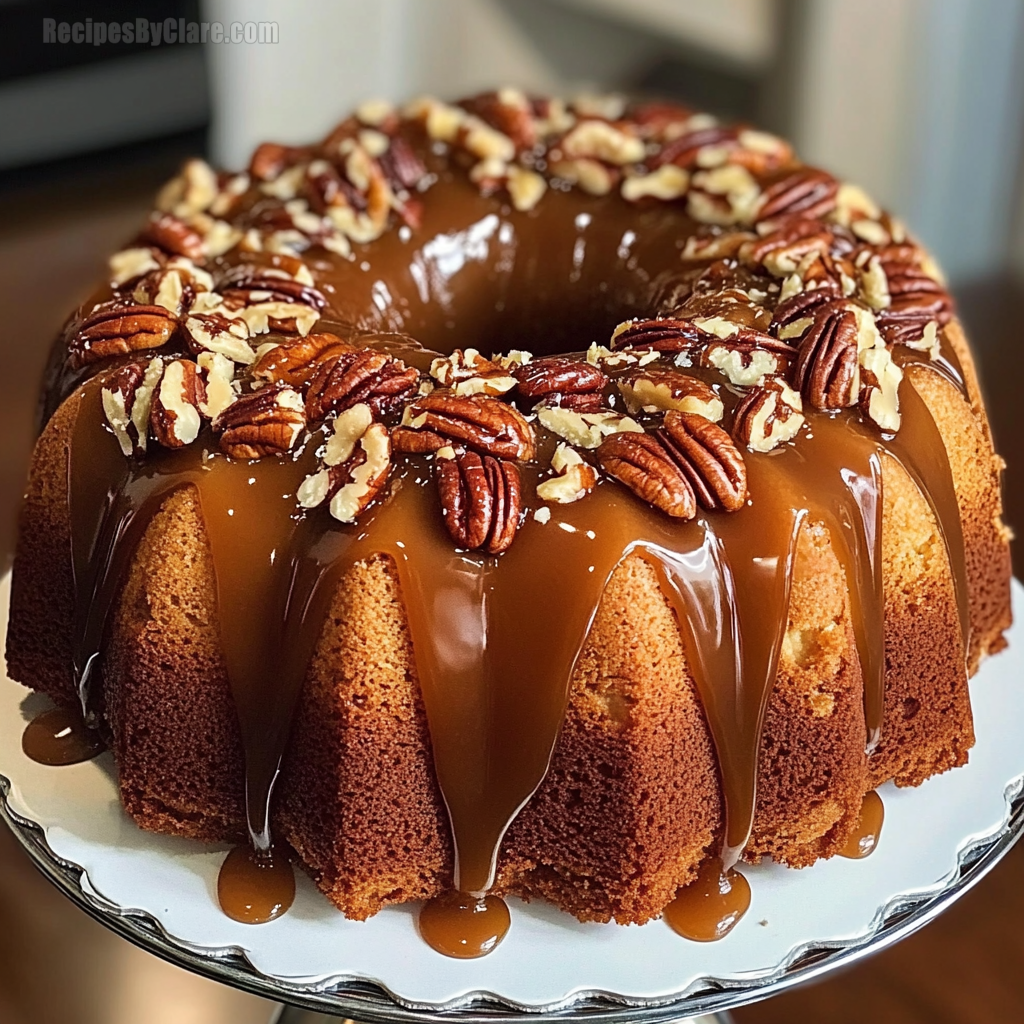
x=365 y=1002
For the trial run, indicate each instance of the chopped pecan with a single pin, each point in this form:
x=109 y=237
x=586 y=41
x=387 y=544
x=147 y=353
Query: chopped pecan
x=584 y=428
x=661 y=334
x=509 y=112
x=401 y=166
x=484 y=424
x=685 y=150
x=114 y=328
x=805 y=191
x=709 y=459
x=826 y=366
x=604 y=142
x=361 y=376
x=270 y=159
x=540 y=378
x=781 y=251
x=577 y=401
x=355 y=466
x=880 y=381
x=769 y=415
x=174 y=416
x=215 y=332
x=654 y=388
x=467 y=372
x=574 y=478
x=173 y=235
x=219 y=385
x=126 y=396
x=480 y=500
x=173 y=286
x=294 y=361
x=641 y=462
x=254 y=284
x=264 y=422
x=794 y=315
x=324 y=187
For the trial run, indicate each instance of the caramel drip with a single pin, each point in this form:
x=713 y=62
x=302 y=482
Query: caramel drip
x=250 y=519
x=711 y=905
x=255 y=888
x=463 y=926
x=868 y=829
x=58 y=737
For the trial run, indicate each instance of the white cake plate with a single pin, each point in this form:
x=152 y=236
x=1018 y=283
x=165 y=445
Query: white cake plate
x=938 y=840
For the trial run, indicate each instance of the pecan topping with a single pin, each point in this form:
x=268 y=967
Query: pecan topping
x=265 y=422
x=582 y=427
x=663 y=334
x=173 y=235
x=215 y=332
x=467 y=372
x=684 y=150
x=917 y=299
x=826 y=366
x=480 y=500
x=361 y=376
x=708 y=458
x=253 y=284
x=782 y=251
x=270 y=159
x=126 y=396
x=808 y=192
x=484 y=424
x=540 y=378
x=794 y=315
x=654 y=388
x=355 y=466
x=769 y=415
x=641 y=462
x=401 y=166
x=114 y=329
x=294 y=362
x=509 y=112
x=174 y=417
x=574 y=478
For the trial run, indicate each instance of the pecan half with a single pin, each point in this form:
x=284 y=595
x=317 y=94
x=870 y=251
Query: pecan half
x=174 y=416
x=781 y=251
x=641 y=462
x=662 y=334
x=294 y=362
x=709 y=459
x=173 y=235
x=806 y=191
x=550 y=375
x=826 y=365
x=361 y=376
x=684 y=150
x=768 y=416
x=265 y=422
x=484 y=424
x=114 y=329
x=480 y=500
x=654 y=388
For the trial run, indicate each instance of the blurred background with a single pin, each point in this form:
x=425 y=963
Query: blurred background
x=919 y=101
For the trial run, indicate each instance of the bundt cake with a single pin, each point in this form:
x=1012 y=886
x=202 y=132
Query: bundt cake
x=516 y=496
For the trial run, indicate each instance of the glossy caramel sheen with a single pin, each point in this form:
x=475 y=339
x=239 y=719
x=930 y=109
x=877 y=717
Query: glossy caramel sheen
x=255 y=887
x=59 y=736
x=869 y=827
x=711 y=905
x=462 y=926
x=496 y=639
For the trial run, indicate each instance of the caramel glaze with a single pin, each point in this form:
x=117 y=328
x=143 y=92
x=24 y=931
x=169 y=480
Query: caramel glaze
x=495 y=645
x=711 y=905
x=869 y=827
x=59 y=736
x=462 y=926
x=254 y=888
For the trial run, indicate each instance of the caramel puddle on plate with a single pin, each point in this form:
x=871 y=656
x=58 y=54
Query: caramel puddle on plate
x=869 y=828
x=59 y=737
x=255 y=888
x=711 y=905
x=464 y=926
